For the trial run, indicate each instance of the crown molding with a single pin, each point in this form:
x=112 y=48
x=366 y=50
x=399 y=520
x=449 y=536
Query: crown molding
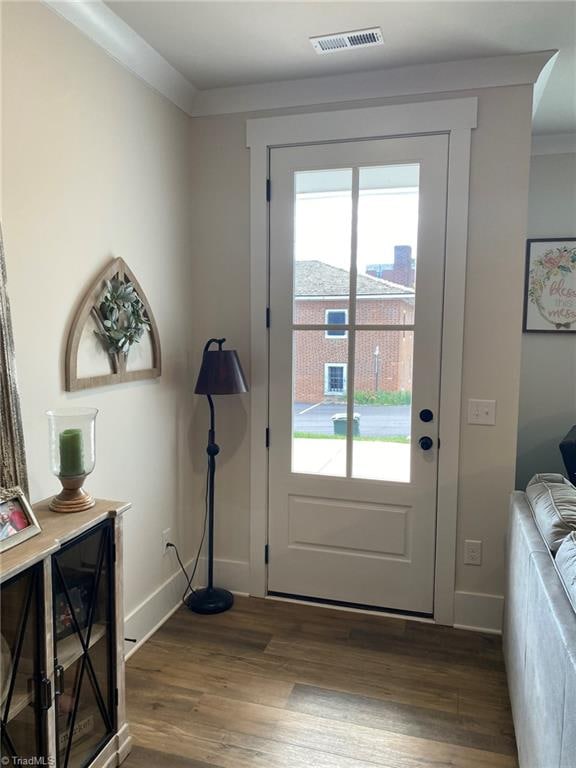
x=542 y=82
x=105 y=28
x=518 y=69
x=554 y=144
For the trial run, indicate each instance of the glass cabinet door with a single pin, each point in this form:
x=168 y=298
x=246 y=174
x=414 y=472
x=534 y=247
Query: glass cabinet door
x=24 y=691
x=83 y=585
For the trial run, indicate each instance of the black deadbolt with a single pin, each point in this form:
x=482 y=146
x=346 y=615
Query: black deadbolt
x=426 y=414
x=425 y=443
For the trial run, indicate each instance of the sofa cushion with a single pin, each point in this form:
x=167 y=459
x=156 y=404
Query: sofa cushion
x=548 y=477
x=566 y=565
x=554 y=508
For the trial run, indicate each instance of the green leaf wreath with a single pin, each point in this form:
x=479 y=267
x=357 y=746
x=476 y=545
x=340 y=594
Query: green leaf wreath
x=554 y=263
x=123 y=316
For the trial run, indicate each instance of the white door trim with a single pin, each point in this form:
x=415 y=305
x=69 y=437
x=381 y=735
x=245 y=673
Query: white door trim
x=457 y=117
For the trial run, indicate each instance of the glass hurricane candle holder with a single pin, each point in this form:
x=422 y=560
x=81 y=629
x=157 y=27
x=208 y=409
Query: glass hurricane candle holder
x=72 y=441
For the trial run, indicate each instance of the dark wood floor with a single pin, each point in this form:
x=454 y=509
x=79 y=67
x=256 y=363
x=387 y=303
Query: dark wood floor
x=278 y=685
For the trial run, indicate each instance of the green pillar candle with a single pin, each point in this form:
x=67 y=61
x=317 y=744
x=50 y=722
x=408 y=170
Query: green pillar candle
x=71 y=453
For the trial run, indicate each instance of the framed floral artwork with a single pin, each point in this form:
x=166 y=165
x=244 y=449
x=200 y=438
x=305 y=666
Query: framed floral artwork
x=550 y=291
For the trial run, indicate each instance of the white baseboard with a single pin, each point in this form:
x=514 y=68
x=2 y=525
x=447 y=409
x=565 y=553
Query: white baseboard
x=472 y=610
x=479 y=612
x=146 y=618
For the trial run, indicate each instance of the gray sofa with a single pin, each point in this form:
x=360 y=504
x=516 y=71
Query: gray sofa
x=540 y=622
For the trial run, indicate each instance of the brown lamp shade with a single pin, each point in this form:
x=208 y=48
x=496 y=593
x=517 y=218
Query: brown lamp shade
x=220 y=374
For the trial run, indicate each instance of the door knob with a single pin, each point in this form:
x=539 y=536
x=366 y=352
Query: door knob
x=426 y=414
x=425 y=443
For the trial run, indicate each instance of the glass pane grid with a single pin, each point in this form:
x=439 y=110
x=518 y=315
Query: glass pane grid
x=353 y=329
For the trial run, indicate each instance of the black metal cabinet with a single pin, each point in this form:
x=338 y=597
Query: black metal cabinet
x=62 y=692
x=25 y=691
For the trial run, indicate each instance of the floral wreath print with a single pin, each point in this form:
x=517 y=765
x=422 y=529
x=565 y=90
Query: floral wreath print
x=552 y=268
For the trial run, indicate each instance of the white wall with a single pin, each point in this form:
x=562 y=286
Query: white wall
x=97 y=165
x=548 y=378
x=498 y=202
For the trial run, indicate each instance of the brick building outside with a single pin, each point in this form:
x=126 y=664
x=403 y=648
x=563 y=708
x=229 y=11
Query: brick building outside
x=383 y=359
x=402 y=270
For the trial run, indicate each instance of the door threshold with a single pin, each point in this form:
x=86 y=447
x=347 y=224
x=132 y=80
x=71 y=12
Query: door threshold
x=337 y=605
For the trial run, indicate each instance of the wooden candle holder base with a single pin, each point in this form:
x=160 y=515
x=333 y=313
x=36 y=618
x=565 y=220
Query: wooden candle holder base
x=72 y=498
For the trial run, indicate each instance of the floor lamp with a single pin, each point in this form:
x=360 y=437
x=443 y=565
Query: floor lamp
x=220 y=374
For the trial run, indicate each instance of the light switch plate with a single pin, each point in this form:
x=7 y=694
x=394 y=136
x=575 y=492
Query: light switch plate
x=482 y=412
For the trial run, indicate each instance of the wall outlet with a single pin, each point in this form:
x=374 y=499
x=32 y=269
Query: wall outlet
x=166 y=533
x=472 y=552
x=482 y=412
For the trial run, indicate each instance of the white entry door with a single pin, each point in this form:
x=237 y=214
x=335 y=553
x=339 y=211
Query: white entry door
x=357 y=232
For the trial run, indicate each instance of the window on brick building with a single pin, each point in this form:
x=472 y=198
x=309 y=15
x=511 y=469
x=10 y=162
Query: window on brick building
x=336 y=317
x=335 y=378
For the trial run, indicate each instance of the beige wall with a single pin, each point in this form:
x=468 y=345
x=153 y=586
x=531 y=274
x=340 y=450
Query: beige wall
x=498 y=201
x=492 y=331
x=97 y=165
x=547 y=388
x=220 y=297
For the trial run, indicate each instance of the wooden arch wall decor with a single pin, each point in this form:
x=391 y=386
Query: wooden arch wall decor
x=118 y=361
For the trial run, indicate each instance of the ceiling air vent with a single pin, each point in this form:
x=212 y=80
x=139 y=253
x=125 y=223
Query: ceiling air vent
x=343 y=41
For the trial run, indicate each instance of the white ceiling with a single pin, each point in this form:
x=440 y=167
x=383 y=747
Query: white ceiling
x=217 y=44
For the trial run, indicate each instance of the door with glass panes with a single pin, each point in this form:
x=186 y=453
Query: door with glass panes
x=357 y=233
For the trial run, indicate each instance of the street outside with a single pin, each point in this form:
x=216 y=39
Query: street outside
x=375 y=420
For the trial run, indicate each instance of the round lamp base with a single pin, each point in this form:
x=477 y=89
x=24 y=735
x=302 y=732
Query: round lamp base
x=210 y=600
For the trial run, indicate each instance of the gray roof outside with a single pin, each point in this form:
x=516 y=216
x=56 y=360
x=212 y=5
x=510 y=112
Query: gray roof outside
x=315 y=278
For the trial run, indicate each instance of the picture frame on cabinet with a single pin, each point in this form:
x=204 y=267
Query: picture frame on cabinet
x=17 y=520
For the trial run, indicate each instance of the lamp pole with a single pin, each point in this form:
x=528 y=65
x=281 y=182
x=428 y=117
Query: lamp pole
x=212 y=449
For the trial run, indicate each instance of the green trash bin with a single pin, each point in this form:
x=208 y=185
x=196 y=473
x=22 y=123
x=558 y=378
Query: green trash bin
x=340 y=424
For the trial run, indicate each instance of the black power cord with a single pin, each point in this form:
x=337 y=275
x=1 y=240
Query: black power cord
x=190 y=579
